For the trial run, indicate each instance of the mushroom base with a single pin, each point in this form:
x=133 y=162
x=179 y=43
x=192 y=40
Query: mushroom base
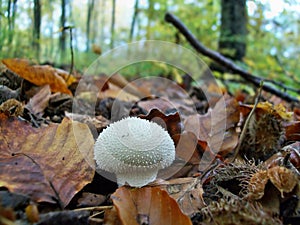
x=137 y=178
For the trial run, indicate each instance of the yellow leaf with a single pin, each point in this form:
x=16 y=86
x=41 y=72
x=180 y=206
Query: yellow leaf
x=38 y=75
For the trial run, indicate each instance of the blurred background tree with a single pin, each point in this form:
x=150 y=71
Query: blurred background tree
x=233 y=31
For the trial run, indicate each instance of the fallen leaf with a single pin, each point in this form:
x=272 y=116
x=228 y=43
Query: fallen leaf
x=38 y=103
x=45 y=163
x=216 y=127
x=38 y=75
x=32 y=213
x=96 y=49
x=70 y=79
x=7 y=216
x=294 y=151
x=297 y=113
x=186 y=191
x=189 y=151
x=292 y=131
x=162 y=103
x=170 y=122
x=90 y=199
x=186 y=148
x=116 y=92
x=129 y=87
x=148 y=205
x=266 y=107
x=110 y=217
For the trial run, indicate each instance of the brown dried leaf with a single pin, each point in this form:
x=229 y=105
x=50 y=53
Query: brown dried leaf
x=148 y=205
x=70 y=79
x=170 y=122
x=186 y=148
x=283 y=179
x=297 y=113
x=7 y=216
x=294 y=150
x=120 y=81
x=35 y=161
x=111 y=217
x=39 y=101
x=38 y=75
x=162 y=104
x=116 y=92
x=187 y=192
x=88 y=199
x=266 y=107
x=32 y=213
x=292 y=131
x=216 y=128
x=189 y=151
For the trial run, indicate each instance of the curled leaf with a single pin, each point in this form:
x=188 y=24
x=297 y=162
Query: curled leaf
x=148 y=205
x=38 y=75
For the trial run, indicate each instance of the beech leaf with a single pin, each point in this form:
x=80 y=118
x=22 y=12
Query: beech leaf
x=217 y=128
x=46 y=163
x=39 y=75
x=148 y=205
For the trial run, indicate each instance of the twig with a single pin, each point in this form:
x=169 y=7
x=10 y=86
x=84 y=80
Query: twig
x=71 y=48
x=243 y=134
x=280 y=84
x=72 y=54
x=94 y=208
x=227 y=63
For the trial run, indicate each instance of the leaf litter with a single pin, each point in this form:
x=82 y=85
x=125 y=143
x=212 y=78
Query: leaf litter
x=42 y=160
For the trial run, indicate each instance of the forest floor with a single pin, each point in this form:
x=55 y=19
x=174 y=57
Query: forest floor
x=237 y=156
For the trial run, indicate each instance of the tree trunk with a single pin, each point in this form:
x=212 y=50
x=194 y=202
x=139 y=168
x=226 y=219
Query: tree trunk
x=102 y=23
x=135 y=14
x=150 y=17
x=37 y=17
x=232 y=42
x=91 y=4
x=62 y=38
x=112 y=28
x=1 y=30
x=11 y=15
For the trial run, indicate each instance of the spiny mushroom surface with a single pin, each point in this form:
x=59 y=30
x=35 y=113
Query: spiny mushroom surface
x=135 y=150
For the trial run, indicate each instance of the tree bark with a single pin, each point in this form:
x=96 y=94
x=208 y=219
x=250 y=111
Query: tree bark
x=62 y=38
x=112 y=28
x=135 y=14
x=232 y=42
x=37 y=17
x=102 y=22
x=91 y=4
x=150 y=17
x=11 y=15
x=1 y=30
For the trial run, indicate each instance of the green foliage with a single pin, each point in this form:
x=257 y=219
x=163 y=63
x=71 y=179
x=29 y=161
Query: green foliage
x=150 y=68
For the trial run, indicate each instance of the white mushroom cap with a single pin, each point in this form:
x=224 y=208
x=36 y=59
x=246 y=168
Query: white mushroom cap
x=134 y=149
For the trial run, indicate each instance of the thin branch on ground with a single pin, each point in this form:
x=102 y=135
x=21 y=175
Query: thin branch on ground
x=227 y=63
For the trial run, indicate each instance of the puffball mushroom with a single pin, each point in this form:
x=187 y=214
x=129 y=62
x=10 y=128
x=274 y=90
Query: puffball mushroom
x=134 y=150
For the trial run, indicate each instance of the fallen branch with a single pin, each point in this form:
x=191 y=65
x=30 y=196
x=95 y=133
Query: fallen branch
x=227 y=63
